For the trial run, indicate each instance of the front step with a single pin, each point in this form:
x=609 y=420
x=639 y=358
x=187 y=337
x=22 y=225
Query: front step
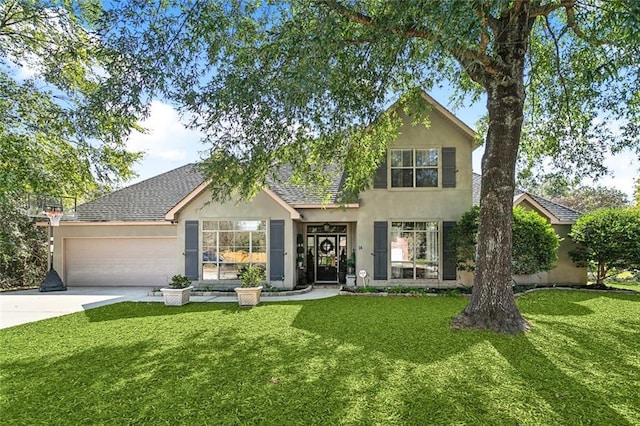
x=327 y=285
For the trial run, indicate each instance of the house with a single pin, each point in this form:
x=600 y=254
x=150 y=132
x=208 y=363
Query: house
x=561 y=218
x=143 y=234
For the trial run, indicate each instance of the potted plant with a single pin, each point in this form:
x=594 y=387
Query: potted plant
x=178 y=292
x=251 y=278
x=351 y=270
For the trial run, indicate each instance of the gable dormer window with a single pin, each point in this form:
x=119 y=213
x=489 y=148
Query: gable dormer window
x=414 y=168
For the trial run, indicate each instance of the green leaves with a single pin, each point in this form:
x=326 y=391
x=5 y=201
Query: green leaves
x=63 y=122
x=607 y=239
x=535 y=243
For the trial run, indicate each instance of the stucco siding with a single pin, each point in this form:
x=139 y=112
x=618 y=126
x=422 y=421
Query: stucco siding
x=417 y=204
x=262 y=207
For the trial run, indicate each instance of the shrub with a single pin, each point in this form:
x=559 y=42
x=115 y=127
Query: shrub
x=252 y=276
x=535 y=243
x=179 y=281
x=607 y=240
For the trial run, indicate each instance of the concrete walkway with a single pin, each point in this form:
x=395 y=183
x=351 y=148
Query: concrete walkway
x=21 y=307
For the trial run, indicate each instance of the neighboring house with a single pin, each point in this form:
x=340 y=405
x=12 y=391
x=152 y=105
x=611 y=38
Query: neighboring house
x=143 y=234
x=561 y=218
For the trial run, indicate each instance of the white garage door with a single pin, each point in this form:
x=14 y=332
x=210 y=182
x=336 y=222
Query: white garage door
x=119 y=261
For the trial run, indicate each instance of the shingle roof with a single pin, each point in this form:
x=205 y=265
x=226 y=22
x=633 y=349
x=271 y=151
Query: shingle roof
x=148 y=200
x=563 y=213
x=152 y=198
x=293 y=194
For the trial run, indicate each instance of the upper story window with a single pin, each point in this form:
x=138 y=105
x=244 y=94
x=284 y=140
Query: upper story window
x=414 y=168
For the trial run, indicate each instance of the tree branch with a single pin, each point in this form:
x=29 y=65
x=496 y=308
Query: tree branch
x=563 y=82
x=573 y=24
x=367 y=21
x=545 y=10
x=465 y=56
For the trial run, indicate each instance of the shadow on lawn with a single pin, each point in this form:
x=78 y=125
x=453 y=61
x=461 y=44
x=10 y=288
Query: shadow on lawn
x=317 y=362
x=418 y=331
x=210 y=375
x=118 y=311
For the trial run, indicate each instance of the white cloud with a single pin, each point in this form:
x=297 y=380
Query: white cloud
x=625 y=168
x=167 y=145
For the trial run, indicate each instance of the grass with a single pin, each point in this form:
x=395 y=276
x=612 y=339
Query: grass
x=342 y=360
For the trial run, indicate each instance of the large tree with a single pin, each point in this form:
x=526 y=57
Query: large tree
x=65 y=113
x=307 y=81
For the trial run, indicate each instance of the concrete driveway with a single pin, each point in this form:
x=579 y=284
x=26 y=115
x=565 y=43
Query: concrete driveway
x=20 y=307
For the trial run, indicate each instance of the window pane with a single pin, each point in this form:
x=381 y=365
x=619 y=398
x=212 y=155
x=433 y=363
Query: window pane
x=431 y=270
x=407 y=158
x=249 y=225
x=210 y=254
x=427 y=157
x=226 y=239
x=402 y=178
x=408 y=226
x=396 y=158
x=210 y=225
x=209 y=271
x=225 y=225
x=209 y=238
x=229 y=271
x=396 y=226
x=242 y=239
x=427 y=178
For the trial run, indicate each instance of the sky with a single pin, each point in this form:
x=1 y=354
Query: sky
x=168 y=145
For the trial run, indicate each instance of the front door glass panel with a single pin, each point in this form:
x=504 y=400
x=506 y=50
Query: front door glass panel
x=327 y=262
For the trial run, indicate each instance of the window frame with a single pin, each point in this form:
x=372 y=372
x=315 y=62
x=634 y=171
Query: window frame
x=431 y=259
x=414 y=168
x=219 y=262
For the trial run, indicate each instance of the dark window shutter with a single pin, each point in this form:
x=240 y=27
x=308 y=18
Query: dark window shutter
x=191 y=264
x=448 y=253
x=380 y=179
x=448 y=167
x=380 y=250
x=276 y=250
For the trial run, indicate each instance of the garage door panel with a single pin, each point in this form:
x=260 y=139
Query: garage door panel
x=119 y=261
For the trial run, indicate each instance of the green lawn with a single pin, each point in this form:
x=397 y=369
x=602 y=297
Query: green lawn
x=344 y=360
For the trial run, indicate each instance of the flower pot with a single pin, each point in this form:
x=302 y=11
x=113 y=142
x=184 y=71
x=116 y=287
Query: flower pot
x=248 y=296
x=176 y=296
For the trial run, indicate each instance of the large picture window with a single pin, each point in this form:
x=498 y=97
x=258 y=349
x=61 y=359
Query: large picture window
x=414 y=250
x=414 y=168
x=228 y=246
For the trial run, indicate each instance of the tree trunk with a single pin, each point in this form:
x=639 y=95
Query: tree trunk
x=492 y=305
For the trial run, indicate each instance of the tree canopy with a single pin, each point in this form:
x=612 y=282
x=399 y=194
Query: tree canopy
x=306 y=82
x=63 y=121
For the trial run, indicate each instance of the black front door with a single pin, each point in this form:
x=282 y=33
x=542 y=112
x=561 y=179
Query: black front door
x=327 y=261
